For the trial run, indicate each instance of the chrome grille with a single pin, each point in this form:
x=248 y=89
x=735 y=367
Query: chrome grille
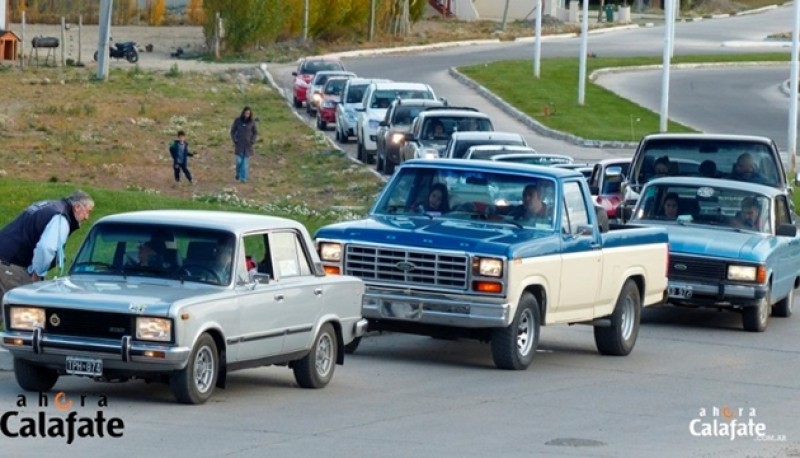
x=413 y=268
x=695 y=268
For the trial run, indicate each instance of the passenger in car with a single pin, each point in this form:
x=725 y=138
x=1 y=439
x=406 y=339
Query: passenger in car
x=437 y=201
x=150 y=254
x=661 y=167
x=708 y=169
x=750 y=215
x=533 y=208
x=745 y=170
x=435 y=130
x=669 y=208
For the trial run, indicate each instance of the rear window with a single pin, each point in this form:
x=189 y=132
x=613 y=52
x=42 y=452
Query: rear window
x=313 y=66
x=384 y=98
x=450 y=124
x=403 y=115
x=355 y=93
x=734 y=160
x=461 y=146
x=335 y=87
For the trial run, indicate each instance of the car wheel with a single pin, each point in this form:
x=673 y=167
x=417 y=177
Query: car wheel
x=755 y=319
x=195 y=383
x=31 y=377
x=352 y=346
x=343 y=137
x=297 y=103
x=337 y=135
x=378 y=162
x=513 y=347
x=320 y=123
x=783 y=308
x=620 y=338
x=360 y=153
x=315 y=370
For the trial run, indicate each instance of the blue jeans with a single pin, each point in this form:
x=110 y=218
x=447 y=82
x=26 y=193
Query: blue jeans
x=241 y=168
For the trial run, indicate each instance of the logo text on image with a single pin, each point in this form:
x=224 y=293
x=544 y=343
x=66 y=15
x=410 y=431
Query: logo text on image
x=731 y=423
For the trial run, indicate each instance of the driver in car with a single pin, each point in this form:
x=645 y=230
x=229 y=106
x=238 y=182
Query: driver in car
x=533 y=209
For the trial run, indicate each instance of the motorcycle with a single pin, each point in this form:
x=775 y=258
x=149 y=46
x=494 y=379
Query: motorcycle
x=126 y=50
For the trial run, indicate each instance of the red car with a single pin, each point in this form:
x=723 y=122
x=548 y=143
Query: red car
x=306 y=69
x=605 y=183
x=331 y=93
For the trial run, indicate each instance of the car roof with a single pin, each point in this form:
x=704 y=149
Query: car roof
x=491 y=166
x=442 y=112
x=221 y=220
x=333 y=72
x=320 y=58
x=717 y=182
x=419 y=102
x=485 y=135
x=702 y=136
x=400 y=85
x=366 y=81
x=509 y=148
x=616 y=160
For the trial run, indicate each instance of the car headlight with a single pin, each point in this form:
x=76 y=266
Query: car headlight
x=373 y=123
x=317 y=96
x=487 y=267
x=747 y=273
x=330 y=251
x=397 y=138
x=26 y=318
x=149 y=328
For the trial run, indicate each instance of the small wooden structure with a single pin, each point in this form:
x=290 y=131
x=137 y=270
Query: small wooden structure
x=9 y=45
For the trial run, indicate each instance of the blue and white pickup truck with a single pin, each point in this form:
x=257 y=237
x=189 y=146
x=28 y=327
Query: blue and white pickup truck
x=492 y=251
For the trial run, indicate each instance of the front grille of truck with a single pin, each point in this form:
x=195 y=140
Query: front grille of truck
x=87 y=324
x=689 y=268
x=404 y=267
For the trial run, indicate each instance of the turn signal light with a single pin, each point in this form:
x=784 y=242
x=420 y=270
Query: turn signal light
x=761 y=274
x=487 y=287
x=155 y=354
x=13 y=341
x=332 y=270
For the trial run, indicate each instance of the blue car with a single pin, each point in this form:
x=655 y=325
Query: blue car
x=732 y=245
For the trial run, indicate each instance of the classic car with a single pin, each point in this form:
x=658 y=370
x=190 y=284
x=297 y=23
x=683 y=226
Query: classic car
x=184 y=297
x=464 y=248
x=605 y=183
x=733 y=245
x=306 y=69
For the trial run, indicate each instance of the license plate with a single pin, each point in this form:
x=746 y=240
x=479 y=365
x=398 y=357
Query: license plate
x=680 y=292
x=403 y=310
x=78 y=365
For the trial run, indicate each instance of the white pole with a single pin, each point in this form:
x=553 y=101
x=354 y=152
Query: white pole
x=305 y=21
x=584 y=46
x=792 y=142
x=102 y=42
x=676 y=7
x=668 y=4
x=537 y=52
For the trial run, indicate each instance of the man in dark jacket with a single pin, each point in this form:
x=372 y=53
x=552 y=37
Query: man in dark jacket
x=33 y=242
x=244 y=135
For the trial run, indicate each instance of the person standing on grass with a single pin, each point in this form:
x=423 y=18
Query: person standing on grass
x=179 y=150
x=33 y=242
x=243 y=134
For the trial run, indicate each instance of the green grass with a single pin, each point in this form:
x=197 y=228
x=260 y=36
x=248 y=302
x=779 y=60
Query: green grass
x=19 y=194
x=553 y=98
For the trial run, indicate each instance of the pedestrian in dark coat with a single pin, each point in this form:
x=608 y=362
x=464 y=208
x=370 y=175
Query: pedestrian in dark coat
x=244 y=135
x=179 y=150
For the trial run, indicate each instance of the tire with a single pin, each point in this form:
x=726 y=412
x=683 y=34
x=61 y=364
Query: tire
x=196 y=382
x=514 y=347
x=316 y=369
x=360 y=153
x=620 y=338
x=297 y=103
x=783 y=309
x=337 y=135
x=388 y=167
x=31 y=377
x=320 y=123
x=352 y=346
x=132 y=56
x=756 y=319
x=378 y=162
x=95 y=57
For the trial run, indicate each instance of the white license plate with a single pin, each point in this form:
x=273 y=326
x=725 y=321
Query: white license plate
x=680 y=292
x=78 y=365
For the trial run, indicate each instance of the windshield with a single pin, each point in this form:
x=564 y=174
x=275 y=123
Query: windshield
x=502 y=198
x=714 y=205
x=335 y=86
x=461 y=146
x=159 y=251
x=384 y=97
x=535 y=159
x=355 y=93
x=735 y=160
x=311 y=67
x=441 y=127
x=403 y=115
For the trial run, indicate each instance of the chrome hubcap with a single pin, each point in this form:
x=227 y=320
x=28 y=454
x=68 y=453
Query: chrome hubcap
x=203 y=369
x=626 y=320
x=324 y=360
x=525 y=332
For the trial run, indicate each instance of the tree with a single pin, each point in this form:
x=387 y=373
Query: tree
x=194 y=12
x=155 y=11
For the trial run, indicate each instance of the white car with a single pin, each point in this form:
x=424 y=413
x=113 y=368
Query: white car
x=352 y=98
x=314 y=93
x=373 y=110
x=460 y=142
x=185 y=297
x=487 y=151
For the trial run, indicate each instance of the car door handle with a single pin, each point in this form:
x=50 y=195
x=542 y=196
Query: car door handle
x=318 y=291
x=279 y=297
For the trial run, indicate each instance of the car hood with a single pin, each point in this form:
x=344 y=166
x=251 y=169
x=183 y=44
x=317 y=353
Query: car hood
x=712 y=242
x=439 y=145
x=439 y=233
x=377 y=113
x=109 y=295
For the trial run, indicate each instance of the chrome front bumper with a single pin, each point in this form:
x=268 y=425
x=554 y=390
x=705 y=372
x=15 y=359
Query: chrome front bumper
x=457 y=310
x=122 y=355
x=718 y=293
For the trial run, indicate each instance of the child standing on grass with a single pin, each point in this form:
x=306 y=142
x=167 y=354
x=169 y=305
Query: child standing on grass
x=179 y=150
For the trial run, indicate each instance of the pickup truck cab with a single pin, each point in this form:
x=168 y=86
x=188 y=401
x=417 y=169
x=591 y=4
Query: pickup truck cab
x=747 y=158
x=493 y=251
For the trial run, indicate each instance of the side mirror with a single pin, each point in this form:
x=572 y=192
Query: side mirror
x=594 y=190
x=383 y=124
x=614 y=172
x=261 y=278
x=786 y=230
x=294 y=73
x=584 y=229
x=443 y=100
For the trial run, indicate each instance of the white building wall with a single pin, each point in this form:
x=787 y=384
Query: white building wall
x=517 y=9
x=3 y=15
